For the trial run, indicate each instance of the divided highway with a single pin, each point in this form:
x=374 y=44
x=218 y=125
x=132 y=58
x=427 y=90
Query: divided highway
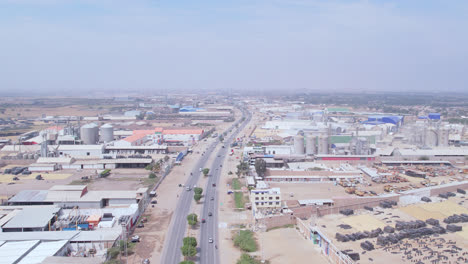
x=209 y=253
x=173 y=243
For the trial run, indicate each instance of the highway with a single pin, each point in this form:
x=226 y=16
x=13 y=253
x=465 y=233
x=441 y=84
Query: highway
x=177 y=228
x=209 y=253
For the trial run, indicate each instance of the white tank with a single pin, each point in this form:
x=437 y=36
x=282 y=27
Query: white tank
x=310 y=145
x=322 y=145
x=107 y=133
x=299 y=144
x=89 y=134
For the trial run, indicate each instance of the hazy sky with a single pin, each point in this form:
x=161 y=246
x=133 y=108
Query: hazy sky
x=119 y=45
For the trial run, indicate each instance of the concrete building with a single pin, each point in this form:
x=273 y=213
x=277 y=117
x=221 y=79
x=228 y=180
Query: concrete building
x=266 y=198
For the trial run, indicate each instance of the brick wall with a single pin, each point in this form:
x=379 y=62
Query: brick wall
x=437 y=191
x=280 y=220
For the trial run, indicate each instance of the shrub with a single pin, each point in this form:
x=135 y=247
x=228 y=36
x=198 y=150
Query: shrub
x=152 y=175
x=246 y=259
x=113 y=252
x=245 y=241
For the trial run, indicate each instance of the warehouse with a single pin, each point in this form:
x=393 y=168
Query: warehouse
x=77 y=195
x=132 y=150
x=310 y=176
x=80 y=150
x=32 y=218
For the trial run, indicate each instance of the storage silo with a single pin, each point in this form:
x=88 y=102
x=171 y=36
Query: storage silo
x=89 y=134
x=299 y=144
x=310 y=145
x=322 y=145
x=107 y=133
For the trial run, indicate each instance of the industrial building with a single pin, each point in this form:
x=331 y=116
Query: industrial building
x=77 y=195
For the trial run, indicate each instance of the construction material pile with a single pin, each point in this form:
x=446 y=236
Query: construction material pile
x=358 y=235
x=387 y=204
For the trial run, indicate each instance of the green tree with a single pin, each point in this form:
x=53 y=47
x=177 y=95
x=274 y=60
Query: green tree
x=192 y=219
x=197 y=197
x=190 y=241
x=187 y=262
x=188 y=251
x=166 y=158
x=152 y=175
x=221 y=138
x=206 y=171
x=242 y=168
x=149 y=167
x=260 y=167
x=198 y=190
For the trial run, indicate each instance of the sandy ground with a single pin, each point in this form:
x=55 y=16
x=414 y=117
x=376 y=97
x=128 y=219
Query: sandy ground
x=278 y=250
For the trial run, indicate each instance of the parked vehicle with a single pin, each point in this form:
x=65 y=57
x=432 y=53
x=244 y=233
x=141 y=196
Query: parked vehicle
x=140 y=225
x=135 y=239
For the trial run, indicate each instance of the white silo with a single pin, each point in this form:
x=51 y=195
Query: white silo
x=107 y=133
x=299 y=144
x=89 y=134
x=310 y=145
x=322 y=145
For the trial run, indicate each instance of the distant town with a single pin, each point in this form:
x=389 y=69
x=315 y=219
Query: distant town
x=233 y=178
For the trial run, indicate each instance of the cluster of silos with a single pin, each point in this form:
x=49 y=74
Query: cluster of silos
x=107 y=133
x=299 y=145
x=89 y=134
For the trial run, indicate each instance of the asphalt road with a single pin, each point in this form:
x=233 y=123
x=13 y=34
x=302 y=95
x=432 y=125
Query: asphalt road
x=173 y=243
x=209 y=253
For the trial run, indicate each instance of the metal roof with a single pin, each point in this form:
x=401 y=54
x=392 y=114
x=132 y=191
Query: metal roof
x=67 y=188
x=42 y=251
x=11 y=252
x=29 y=196
x=33 y=217
x=97 y=235
x=42 y=236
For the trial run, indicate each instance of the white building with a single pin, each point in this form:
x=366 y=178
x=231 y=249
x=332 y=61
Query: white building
x=266 y=198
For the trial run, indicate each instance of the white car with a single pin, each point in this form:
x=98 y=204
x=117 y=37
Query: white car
x=210 y=240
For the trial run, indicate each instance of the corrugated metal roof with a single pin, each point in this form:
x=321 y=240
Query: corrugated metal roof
x=11 y=252
x=29 y=196
x=42 y=251
x=43 y=236
x=33 y=217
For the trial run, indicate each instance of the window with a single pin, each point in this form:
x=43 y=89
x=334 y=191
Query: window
x=270 y=203
x=87 y=153
x=277 y=203
x=256 y=198
x=263 y=198
x=271 y=197
x=277 y=198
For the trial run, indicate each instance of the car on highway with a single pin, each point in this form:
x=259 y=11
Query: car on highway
x=210 y=240
x=203 y=220
x=210 y=214
x=214 y=184
x=212 y=199
x=188 y=189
